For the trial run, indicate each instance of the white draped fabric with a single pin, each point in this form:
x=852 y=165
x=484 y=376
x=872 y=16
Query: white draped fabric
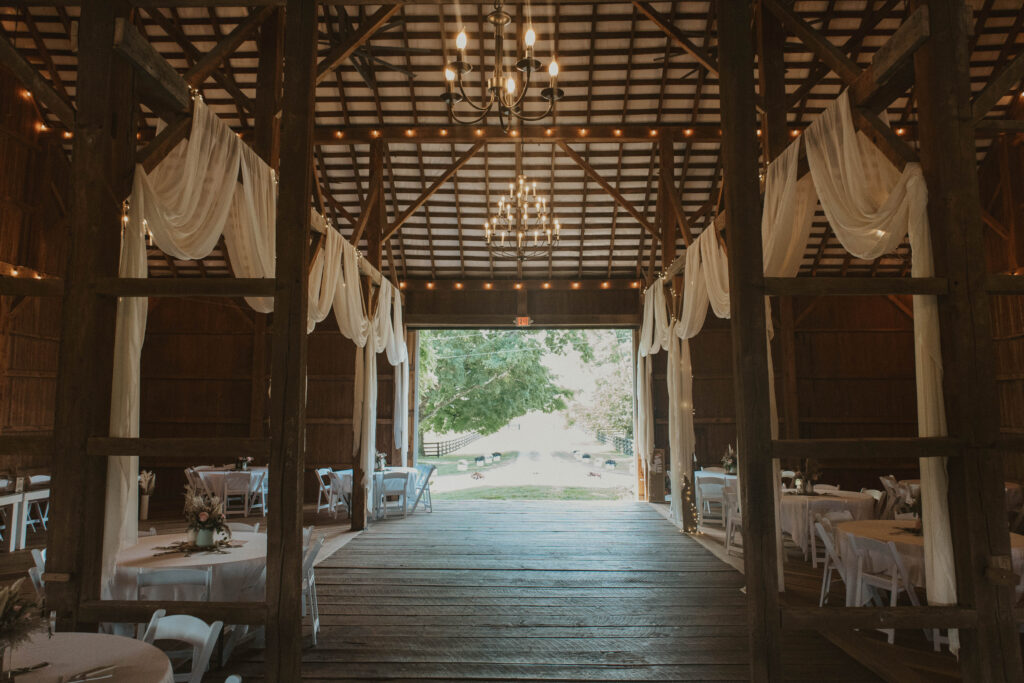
x=871 y=205
x=706 y=282
x=186 y=203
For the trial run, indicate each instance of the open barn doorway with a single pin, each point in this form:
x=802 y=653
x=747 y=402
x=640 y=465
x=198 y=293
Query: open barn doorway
x=511 y=414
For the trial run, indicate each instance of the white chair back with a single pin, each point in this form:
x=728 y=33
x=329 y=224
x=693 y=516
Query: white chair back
x=837 y=516
x=244 y=528
x=39 y=558
x=309 y=555
x=182 y=584
x=35 y=574
x=183 y=628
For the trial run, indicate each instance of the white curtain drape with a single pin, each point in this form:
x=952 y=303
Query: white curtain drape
x=186 y=203
x=706 y=277
x=871 y=205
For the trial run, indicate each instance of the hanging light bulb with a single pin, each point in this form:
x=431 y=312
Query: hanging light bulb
x=553 y=69
x=510 y=85
x=461 y=40
x=530 y=38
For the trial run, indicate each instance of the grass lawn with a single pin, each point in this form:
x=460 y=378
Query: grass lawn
x=449 y=464
x=533 y=493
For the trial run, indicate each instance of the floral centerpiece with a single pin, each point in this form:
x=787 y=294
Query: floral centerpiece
x=382 y=461
x=147 y=484
x=243 y=462
x=19 y=618
x=729 y=460
x=204 y=516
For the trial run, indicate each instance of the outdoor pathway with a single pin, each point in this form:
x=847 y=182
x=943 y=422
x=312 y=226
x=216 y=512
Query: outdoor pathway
x=492 y=591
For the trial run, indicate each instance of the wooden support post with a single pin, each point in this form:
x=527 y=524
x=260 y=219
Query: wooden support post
x=787 y=360
x=258 y=390
x=102 y=160
x=991 y=651
x=412 y=343
x=267 y=133
x=750 y=361
x=288 y=369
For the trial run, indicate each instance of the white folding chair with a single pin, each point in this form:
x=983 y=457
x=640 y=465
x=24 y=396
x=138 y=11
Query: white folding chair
x=832 y=517
x=711 y=491
x=39 y=558
x=892 y=578
x=393 y=484
x=890 y=486
x=235 y=494
x=787 y=477
x=309 y=586
x=244 y=528
x=324 y=497
x=184 y=584
x=423 y=486
x=832 y=560
x=182 y=628
x=258 y=492
x=733 y=519
x=36 y=575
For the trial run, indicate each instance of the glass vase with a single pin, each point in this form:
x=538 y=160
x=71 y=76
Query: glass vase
x=204 y=538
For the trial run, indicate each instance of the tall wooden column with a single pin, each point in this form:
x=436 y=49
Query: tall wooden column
x=750 y=361
x=266 y=143
x=102 y=156
x=288 y=365
x=991 y=651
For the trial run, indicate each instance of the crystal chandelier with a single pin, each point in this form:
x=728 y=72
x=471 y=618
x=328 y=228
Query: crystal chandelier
x=523 y=226
x=504 y=88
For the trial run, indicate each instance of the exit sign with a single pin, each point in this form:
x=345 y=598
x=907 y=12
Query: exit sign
x=523 y=321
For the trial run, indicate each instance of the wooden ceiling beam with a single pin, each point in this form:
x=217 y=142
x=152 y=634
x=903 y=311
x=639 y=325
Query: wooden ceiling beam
x=340 y=53
x=670 y=29
x=192 y=52
x=862 y=82
x=422 y=199
x=611 y=191
x=206 y=65
x=358 y=135
x=161 y=87
x=36 y=85
x=997 y=88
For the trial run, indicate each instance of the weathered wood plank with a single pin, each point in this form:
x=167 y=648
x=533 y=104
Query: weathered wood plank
x=160 y=84
x=343 y=51
x=193 y=449
x=288 y=364
x=853 y=286
x=33 y=81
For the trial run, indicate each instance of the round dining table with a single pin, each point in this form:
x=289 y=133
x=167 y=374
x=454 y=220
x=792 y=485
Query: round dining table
x=214 y=477
x=909 y=545
x=343 y=483
x=236 y=572
x=70 y=654
x=798 y=511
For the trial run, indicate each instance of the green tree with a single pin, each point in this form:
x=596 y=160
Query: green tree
x=480 y=380
x=609 y=408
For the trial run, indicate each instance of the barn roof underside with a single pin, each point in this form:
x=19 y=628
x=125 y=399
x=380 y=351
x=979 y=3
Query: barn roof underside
x=617 y=67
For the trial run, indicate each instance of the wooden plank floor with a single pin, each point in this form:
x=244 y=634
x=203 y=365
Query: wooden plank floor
x=492 y=591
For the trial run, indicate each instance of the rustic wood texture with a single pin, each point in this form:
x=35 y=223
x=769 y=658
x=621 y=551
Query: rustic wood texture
x=537 y=591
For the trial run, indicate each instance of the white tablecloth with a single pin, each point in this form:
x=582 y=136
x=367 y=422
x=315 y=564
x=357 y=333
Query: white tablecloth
x=909 y=546
x=13 y=503
x=343 y=486
x=73 y=653
x=234 y=572
x=215 y=477
x=798 y=511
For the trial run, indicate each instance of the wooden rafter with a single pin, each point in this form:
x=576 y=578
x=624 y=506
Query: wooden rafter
x=998 y=87
x=612 y=192
x=677 y=37
x=35 y=83
x=426 y=194
x=344 y=50
x=211 y=60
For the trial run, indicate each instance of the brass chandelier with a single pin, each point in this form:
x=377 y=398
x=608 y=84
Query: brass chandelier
x=522 y=227
x=504 y=88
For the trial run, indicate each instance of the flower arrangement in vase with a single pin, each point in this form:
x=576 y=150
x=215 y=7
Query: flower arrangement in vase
x=204 y=516
x=19 y=619
x=729 y=460
x=382 y=461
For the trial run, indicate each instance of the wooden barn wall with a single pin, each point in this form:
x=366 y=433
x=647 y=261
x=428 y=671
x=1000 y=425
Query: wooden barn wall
x=1001 y=180
x=34 y=190
x=854 y=374
x=205 y=370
